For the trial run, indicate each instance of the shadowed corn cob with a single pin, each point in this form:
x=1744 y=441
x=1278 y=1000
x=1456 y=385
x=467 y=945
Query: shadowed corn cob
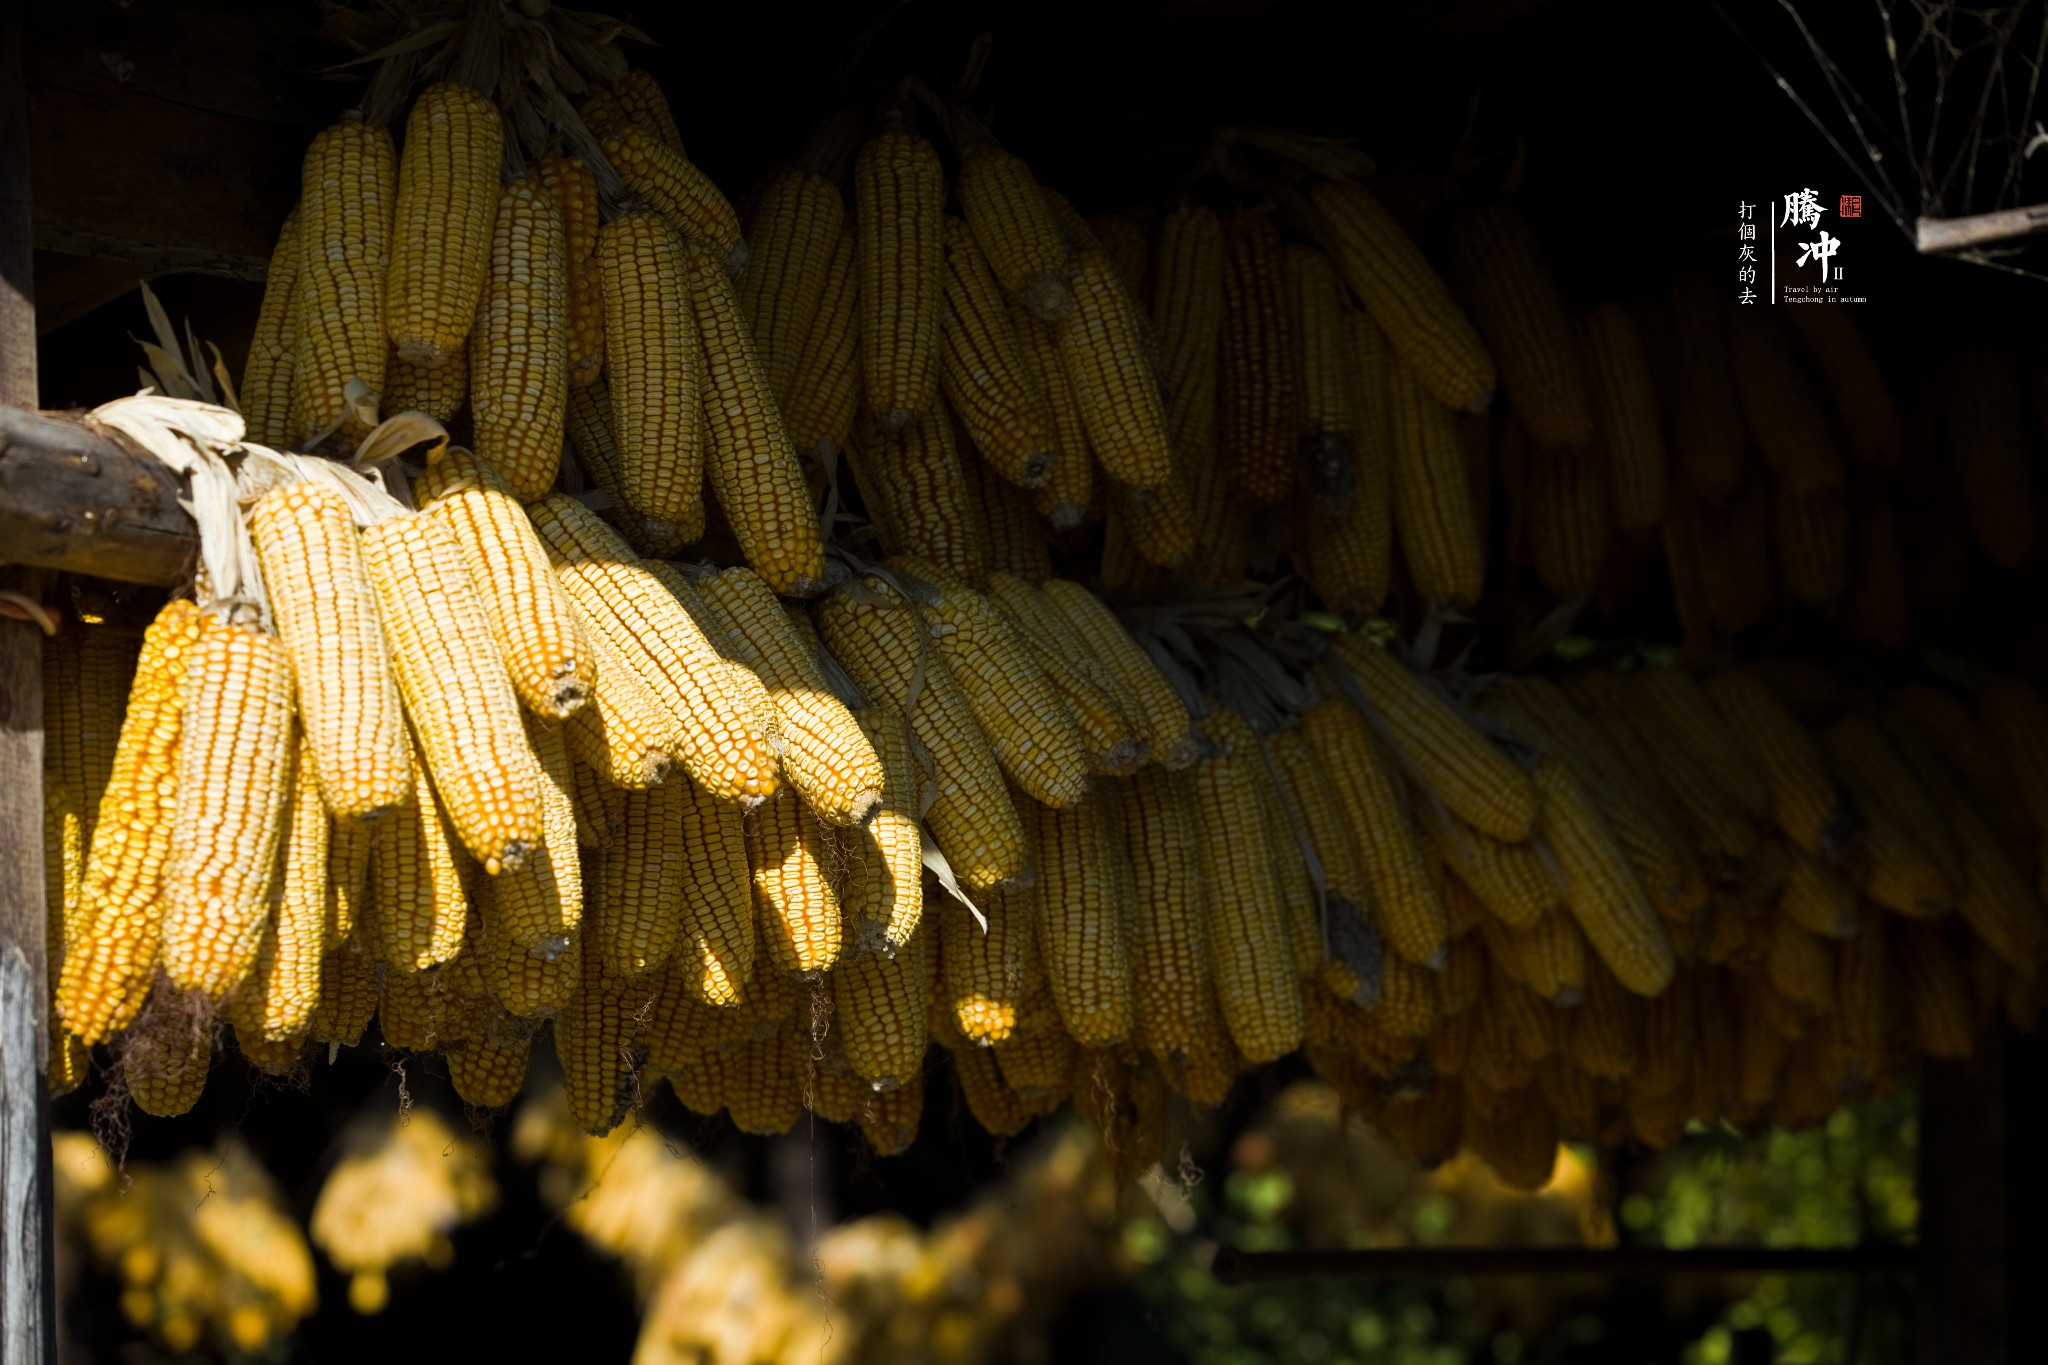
x=1706 y=410
x=1405 y=296
x=572 y=189
x=624 y=734
x=1109 y=363
x=1259 y=370
x=899 y=212
x=1813 y=545
x=881 y=1003
x=674 y=187
x=1188 y=320
x=984 y=973
x=1160 y=713
x=1804 y=800
x=266 y=389
x=916 y=488
x=791 y=236
x=440 y=394
x=1063 y=498
x=1500 y=272
x=165 y=1055
x=654 y=372
x=1602 y=890
x=1628 y=430
x=799 y=908
x=597 y=455
x=1779 y=408
x=234 y=764
x=1174 y=1002
x=1875 y=432
x=347 y=188
x=1015 y=229
x=326 y=612
x=1098 y=701
x=1564 y=496
x=1125 y=242
x=1434 y=509
x=638 y=100
x=519 y=353
x=1006 y=527
x=1081 y=922
x=1328 y=373
x=825 y=385
x=754 y=470
x=1987 y=441
x=884 y=893
x=441 y=231
x=718 y=948
x=275 y=1002
x=984 y=374
x=455 y=689
x=541 y=903
x=417 y=903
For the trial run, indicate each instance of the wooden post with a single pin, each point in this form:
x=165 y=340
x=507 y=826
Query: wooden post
x=28 y=1281
x=1965 y=1311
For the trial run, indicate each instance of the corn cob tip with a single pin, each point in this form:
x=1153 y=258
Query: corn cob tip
x=1481 y=403
x=510 y=858
x=1046 y=295
x=1037 y=468
x=1065 y=516
x=427 y=356
x=895 y=419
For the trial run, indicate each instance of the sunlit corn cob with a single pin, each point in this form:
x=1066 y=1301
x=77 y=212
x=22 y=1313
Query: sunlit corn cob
x=455 y=689
x=1434 y=510
x=326 y=612
x=825 y=755
x=791 y=235
x=1870 y=419
x=1081 y=922
x=825 y=385
x=649 y=630
x=799 y=907
x=915 y=484
x=983 y=973
x=1015 y=229
x=625 y=734
x=234 y=763
x=753 y=466
x=1566 y=517
x=531 y=619
x=1805 y=802
x=275 y=1002
x=1628 y=427
x=573 y=191
x=1986 y=441
x=107 y=969
x=984 y=373
x=1706 y=411
x=1499 y=268
x=1780 y=410
x=417 y=903
x=1027 y=723
x=1405 y=296
x=880 y=642
x=265 y=392
x=899 y=195
x=441 y=232
x=1260 y=366
x=1465 y=771
x=440 y=394
x=347 y=190
x=519 y=353
x=1256 y=984
x=654 y=372
x=1169 y=732
x=885 y=864
x=541 y=903
x=676 y=188
x=166 y=1053
x=1110 y=366
x=880 y=1005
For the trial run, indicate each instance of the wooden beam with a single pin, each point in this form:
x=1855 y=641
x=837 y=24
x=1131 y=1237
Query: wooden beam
x=74 y=496
x=28 y=1274
x=1934 y=235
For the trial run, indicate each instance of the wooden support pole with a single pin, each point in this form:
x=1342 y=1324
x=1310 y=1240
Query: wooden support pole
x=1934 y=235
x=75 y=496
x=28 y=1280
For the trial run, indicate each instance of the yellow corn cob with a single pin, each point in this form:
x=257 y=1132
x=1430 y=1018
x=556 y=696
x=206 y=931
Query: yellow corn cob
x=528 y=983
x=916 y=488
x=572 y=189
x=1097 y=701
x=1803 y=797
x=440 y=394
x=717 y=906
x=593 y=1033
x=1108 y=361
x=1080 y=924
x=347 y=187
x=899 y=211
x=1936 y=995
x=825 y=385
x=1174 y=1001
x=1601 y=889
x=1628 y=430
x=641 y=883
x=532 y=622
x=488 y=1067
x=984 y=973
x=624 y=734
x=597 y=455
x=1125 y=241
x=348 y=874
x=455 y=689
x=348 y=997
x=1813 y=546
x=1515 y=303
x=1669 y=703
x=1455 y=762
x=1734 y=551
x=883 y=649
x=275 y=1002
x=649 y=630
x=1062 y=497
x=1038 y=1065
x=519 y=354
x=1870 y=419
x=1885 y=785
x=889 y=1121
x=1513 y=881
x=984 y=373
x=1005 y=525
x=1986 y=441
x=417 y=901
x=1256 y=984
x=880 y=1001
x=1817 y=899
x=1160 y=522
x=676 y=188
x=654 y=371
x=798 y=907
x=1798 y=967
x=266 y=389
x=326 y=611
x=1027 y=724
x=1877 y=610
x=825 y=755
x=441 y=233
x=1779 y=408
x=234 y=763
x=1405 y=296
x=996 y=1107
x=1169 y=732
x=1566 y=518
x=1661 y=757
x=884 y=894
x=106 y=969
x=1706 y=410
x=1259 y=371
x=542 y=902
x=165 y=1055
x=790 y=238
x=638 y=100
x=595 y=803
x=1605 y=1035
x=1434 y=511
x=1015 y=229
x=1327 y=373
x=754 y=469
x=1409 y=1005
